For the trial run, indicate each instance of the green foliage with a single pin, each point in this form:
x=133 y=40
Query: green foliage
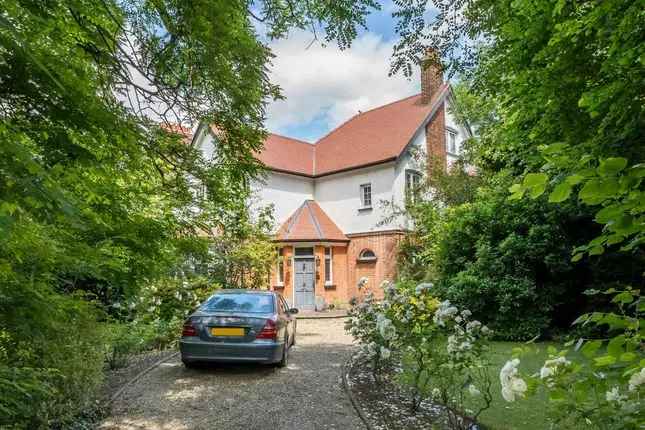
x=245 y=258
x=98 y=185
x=50 y=365
x=508 y=261
x=602 y=386
x=438 y=351
x=565 y=81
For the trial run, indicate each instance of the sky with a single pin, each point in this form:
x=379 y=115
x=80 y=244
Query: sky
x=325 y=86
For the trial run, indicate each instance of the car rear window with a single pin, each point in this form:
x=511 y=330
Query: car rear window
x=252 y=303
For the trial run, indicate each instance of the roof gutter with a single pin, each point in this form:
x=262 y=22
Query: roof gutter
x=333 y=172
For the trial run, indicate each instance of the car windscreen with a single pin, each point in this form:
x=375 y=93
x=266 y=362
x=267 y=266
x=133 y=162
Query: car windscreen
x=247 y=303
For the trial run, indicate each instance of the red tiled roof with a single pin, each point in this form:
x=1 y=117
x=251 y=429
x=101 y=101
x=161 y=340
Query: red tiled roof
x=179 y=129
x=371 y=137
x=310 y=223
x=287 y=154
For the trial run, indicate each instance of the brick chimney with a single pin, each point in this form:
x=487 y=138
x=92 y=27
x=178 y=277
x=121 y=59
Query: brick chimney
x=431 y=75
x=431 y=82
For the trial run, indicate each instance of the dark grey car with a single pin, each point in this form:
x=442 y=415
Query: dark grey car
x=239 y=325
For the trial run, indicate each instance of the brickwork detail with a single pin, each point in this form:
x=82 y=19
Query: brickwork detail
x=436 y=139
x=431 y=76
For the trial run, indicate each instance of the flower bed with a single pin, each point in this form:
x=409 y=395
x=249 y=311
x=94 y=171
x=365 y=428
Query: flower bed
x=384 y=405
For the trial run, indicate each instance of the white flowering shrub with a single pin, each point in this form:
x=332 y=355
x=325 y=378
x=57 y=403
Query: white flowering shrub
x=600 y=387
x=449 y=365
x=372 y=329
x=439 y=348
x=153 y=319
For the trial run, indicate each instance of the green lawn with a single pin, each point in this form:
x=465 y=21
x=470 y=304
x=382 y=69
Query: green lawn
x=527 y=414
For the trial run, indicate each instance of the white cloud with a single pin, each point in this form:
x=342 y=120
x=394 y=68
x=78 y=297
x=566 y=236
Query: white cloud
x=330 y=85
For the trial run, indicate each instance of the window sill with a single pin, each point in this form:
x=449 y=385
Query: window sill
x=365 y=208
x=366 y=260
x=278 y=286
x=330 y=286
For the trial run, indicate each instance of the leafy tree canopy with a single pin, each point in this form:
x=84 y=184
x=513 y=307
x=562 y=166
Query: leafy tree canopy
x=101 y=193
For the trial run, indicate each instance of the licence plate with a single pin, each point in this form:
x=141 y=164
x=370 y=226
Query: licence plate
x=227 y=331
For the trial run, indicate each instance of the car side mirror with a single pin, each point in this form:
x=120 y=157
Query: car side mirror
x=293 y=310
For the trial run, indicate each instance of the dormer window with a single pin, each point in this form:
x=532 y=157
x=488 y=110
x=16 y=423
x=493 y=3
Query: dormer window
x=366 y=256
x=366 y=196
x=451 y=142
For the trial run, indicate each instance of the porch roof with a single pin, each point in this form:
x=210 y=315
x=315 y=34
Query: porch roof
x=309 y=223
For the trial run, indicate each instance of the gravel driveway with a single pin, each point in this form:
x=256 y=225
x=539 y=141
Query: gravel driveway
x=307 y=394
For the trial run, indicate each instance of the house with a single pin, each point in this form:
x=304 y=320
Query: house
x=332 y=198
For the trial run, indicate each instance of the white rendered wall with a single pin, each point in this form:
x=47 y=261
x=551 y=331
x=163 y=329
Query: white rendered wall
x=206 y=143
x=285 y=192
x=339 y=196
x=462 y=134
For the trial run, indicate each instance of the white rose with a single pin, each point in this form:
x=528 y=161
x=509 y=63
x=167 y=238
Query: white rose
x=473 y=391
x=385 y=353
x=637 y=379
x=614 y=395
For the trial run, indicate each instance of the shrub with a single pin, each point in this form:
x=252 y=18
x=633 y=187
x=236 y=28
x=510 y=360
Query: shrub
x=509 y=262
x=50 y=366
x=602 y=386
x=440 y=348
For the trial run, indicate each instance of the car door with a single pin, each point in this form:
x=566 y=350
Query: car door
x=288 y=317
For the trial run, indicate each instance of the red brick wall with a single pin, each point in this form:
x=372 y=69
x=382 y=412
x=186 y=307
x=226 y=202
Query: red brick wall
x=436 y=139
x=431 y=75
x=287 y=289
x=337 y=294
x=385 y=246
x=346 y=270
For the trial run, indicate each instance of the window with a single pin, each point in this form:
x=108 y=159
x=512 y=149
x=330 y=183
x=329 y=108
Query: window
x=451 y=142
x=366 y=196
x=366 y=255
x=412 y=185
x=328 y=265
x=281 y=266
x=304 y=252
x=239 y=302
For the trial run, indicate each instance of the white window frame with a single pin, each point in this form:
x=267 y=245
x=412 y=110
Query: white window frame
x=362 y=258
x=329 y=258
x=451 y=140
x=363 y=188
x=412 y=188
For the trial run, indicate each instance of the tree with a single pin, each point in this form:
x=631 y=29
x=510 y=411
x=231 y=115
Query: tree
x=96 y=179
x=567 y=82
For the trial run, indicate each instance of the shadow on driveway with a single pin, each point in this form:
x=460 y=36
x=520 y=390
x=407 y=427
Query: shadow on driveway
x=307 y=394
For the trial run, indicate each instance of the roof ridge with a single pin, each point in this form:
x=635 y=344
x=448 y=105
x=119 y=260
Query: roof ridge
x=362 y=113
x=291 y=138
x=314 y=220
x=296 y=216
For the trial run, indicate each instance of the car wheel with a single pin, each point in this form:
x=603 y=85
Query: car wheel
x=189 y=364
x=285 y=356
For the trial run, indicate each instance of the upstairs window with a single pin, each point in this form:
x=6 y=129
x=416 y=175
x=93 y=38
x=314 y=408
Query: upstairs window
x=412 y=185
x=451 y=142
x=328 y=265
x=366 y=196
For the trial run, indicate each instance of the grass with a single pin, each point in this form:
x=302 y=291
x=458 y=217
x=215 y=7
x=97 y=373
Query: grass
x=527 y=414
